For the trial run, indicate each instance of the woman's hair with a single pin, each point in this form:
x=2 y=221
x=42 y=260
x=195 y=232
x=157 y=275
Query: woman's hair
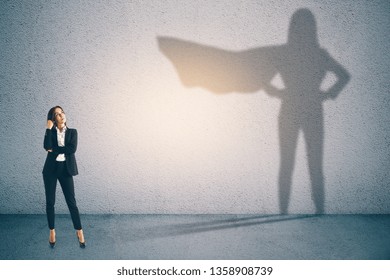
x=50 y=114
x=303 y=29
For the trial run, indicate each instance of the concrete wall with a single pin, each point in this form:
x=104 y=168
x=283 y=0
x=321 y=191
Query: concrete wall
x=150 y=144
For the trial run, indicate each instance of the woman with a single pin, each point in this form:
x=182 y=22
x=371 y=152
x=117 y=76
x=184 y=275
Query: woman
x=60 y=142
x=303 y=66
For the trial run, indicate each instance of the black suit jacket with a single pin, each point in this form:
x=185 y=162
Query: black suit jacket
x=50 y=143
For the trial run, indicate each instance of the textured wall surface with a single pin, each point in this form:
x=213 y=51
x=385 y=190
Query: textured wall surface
x=149 y=143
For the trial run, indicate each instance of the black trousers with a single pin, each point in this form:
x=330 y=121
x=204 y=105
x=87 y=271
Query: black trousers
x=67 y=185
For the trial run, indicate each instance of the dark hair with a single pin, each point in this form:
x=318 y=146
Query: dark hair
x=50 y=114
x=303 y=28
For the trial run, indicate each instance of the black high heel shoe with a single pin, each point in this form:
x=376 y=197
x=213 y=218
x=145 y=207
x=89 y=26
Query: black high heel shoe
x=82 y=244
x=52 y=243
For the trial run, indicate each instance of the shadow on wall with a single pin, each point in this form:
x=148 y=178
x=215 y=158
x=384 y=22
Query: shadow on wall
x=300 y=64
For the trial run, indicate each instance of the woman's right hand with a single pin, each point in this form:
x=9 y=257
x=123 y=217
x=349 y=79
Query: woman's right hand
x=50 y=124
x=273 y=91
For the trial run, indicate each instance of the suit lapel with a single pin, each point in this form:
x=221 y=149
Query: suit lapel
x=67 y=135
x=54 y=136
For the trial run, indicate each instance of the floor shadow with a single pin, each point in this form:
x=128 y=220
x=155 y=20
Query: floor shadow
x=302 y=66
x=178 y=229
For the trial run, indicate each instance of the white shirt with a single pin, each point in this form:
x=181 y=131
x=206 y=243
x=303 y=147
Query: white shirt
x=61 y=142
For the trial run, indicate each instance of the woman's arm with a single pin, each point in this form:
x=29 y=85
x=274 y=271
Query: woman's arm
x=70 y=147
x=48 y=142
x=343 y=78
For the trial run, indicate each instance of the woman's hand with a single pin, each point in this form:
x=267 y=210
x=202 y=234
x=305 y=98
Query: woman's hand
x=50 y=124
x=273 y=91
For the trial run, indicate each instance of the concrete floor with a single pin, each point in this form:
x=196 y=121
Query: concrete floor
x=183 y=237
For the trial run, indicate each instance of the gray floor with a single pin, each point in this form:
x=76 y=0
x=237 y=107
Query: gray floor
x=143 y=237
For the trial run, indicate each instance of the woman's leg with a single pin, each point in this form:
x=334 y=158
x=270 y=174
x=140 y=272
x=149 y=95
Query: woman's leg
x=314 y=136
x=288 y=136
x=67 y=186
x=50 y=182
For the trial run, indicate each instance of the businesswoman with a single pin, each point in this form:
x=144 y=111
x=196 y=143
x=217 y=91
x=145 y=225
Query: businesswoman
x=60 y=142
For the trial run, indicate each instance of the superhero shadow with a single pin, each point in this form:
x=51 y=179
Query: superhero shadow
x=302 y=65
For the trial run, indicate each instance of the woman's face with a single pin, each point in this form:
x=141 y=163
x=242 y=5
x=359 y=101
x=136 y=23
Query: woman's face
x=59 y=117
